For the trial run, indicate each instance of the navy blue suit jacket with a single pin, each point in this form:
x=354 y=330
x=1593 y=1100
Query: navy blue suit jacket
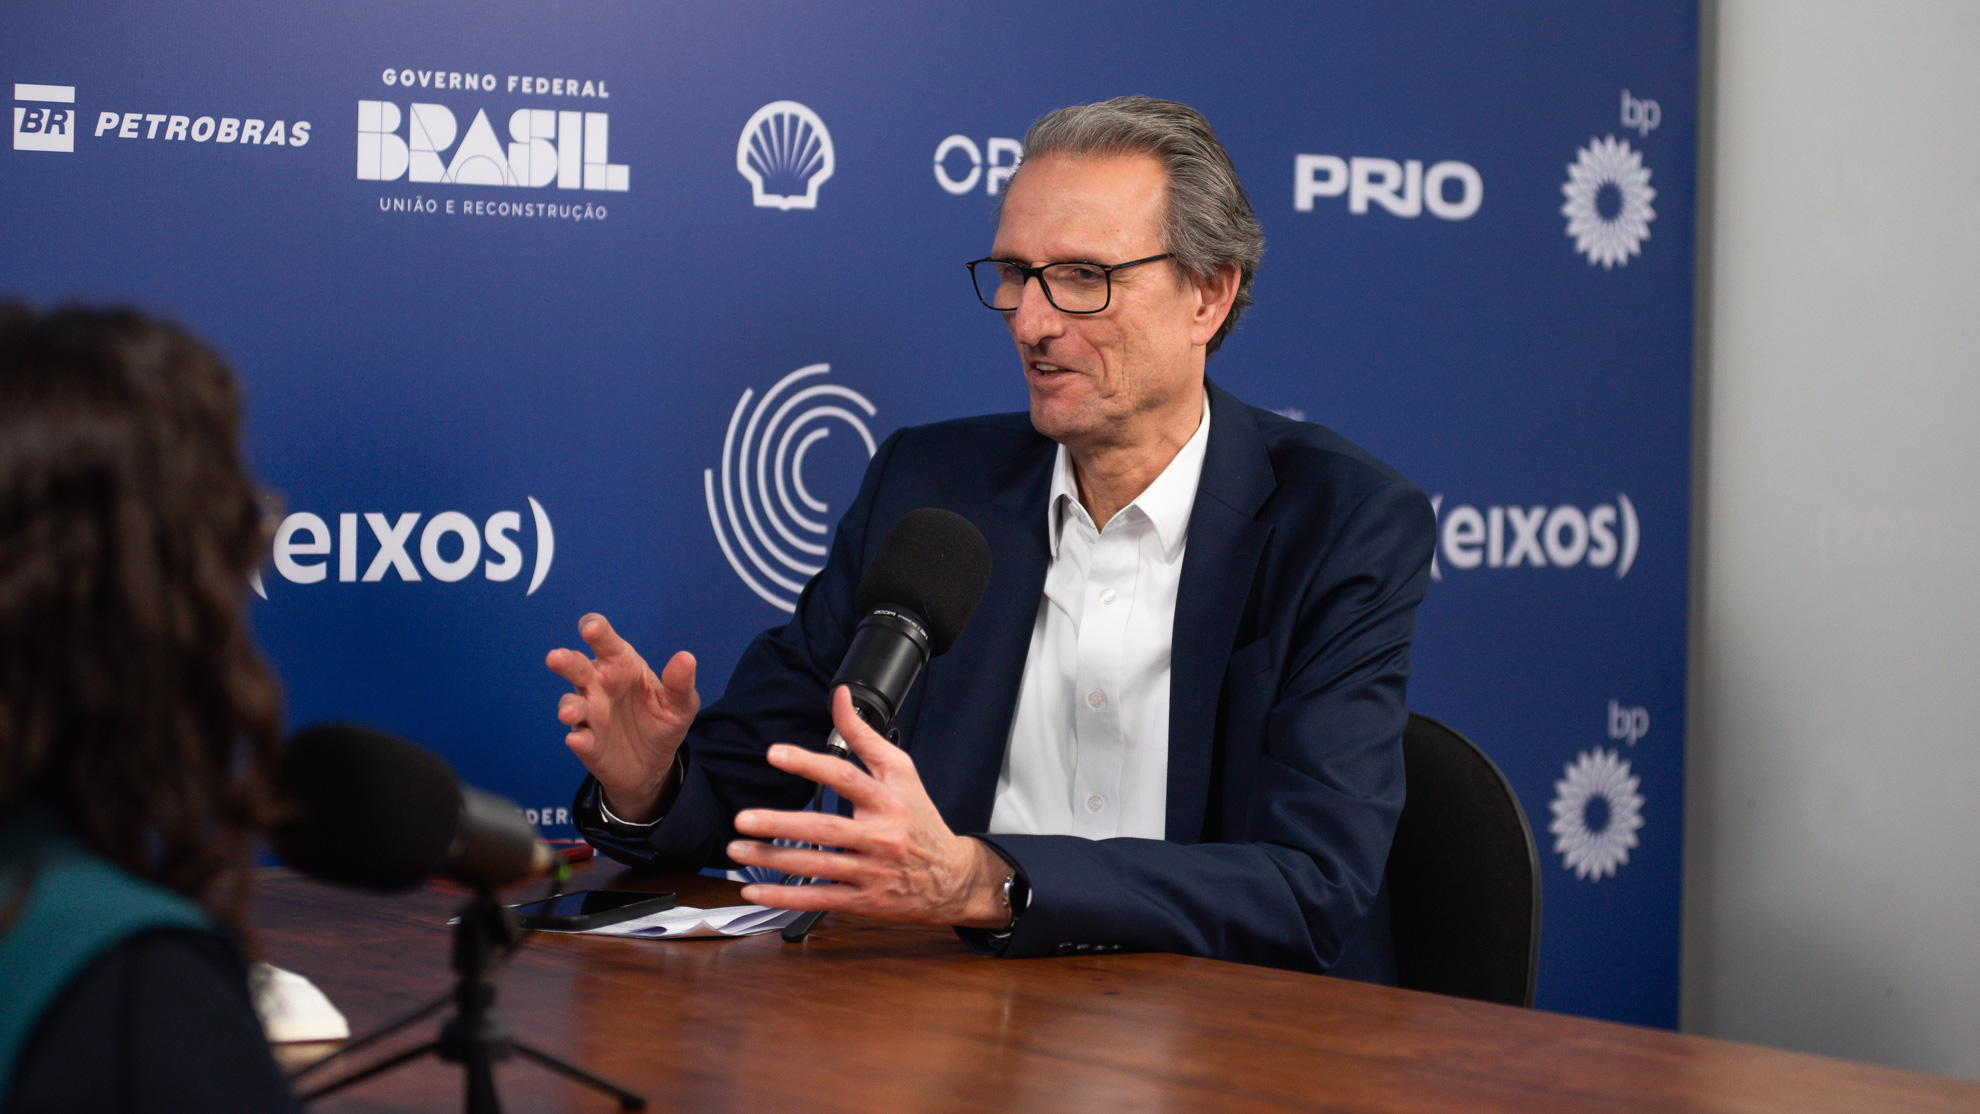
x=1306 y=559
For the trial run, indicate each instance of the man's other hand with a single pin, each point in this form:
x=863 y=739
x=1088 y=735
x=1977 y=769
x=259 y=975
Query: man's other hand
x=626 y=722
x=899 y=861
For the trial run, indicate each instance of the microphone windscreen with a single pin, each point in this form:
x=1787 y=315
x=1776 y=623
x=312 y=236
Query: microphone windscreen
x=363 y=808
x=933 y=563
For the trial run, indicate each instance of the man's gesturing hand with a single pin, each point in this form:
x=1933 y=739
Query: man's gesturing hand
x=626 y=723
x=900 y=861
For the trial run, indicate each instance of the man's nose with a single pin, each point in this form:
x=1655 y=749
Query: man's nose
x=1035 y=317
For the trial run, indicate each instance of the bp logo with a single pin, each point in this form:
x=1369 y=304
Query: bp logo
x=1597 y=812
x=786 y=153
x=1608 y=202
x=767 y=520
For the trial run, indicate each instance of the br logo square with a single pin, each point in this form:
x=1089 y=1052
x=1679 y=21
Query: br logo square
x=43 y=123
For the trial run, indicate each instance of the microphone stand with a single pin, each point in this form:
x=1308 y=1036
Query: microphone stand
x=477 y=1036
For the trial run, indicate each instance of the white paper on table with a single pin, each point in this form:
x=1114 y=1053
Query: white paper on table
x=292 y=1009
x=686 y=920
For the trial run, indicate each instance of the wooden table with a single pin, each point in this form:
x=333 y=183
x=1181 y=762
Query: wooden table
x=872 y=1016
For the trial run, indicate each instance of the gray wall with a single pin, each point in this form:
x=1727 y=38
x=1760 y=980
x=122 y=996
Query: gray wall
x=1833 y=866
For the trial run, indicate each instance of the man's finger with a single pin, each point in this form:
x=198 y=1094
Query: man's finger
x=571 y=709
x=571 y=666
x=880 y=756
x=581 y=743
x=829 y=897
x=677 y=677
x=599 y=635
x=801 y=861
x=822 y=828
x=836 y=774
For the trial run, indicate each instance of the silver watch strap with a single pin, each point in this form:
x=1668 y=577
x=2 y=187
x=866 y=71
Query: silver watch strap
x=605 y=810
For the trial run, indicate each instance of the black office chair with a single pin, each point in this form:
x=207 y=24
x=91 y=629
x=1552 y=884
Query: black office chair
x=1464 y=877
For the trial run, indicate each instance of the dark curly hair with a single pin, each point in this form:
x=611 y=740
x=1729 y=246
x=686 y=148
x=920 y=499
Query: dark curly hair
x=132 y=701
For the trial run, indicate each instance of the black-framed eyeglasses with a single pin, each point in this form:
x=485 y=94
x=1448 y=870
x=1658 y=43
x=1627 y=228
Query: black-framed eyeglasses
x=1075 y=287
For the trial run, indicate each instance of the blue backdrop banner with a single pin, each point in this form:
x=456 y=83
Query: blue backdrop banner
x=604 y=307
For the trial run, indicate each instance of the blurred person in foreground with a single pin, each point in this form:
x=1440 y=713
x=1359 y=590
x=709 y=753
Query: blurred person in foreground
x=138 y=725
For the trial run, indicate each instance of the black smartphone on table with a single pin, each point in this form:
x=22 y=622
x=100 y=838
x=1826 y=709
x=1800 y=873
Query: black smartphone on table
x=586 y=909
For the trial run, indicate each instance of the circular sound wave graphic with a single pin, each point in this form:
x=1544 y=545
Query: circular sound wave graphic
x=763 y=468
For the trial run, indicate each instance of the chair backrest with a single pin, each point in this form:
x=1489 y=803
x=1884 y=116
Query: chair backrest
x=1464 y=876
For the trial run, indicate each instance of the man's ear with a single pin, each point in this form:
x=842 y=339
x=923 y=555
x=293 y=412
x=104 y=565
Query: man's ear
x=1214 y=296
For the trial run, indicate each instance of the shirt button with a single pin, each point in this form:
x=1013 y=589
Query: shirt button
x=1106 y=595
x=1096 y=698
x=1095 y=803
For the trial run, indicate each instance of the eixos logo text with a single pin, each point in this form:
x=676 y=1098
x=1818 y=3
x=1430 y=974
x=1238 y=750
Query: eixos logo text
x=449 y=549
x=1563 y=536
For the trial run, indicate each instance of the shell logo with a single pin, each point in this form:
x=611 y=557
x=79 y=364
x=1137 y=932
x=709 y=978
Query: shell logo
x=786 y=154
x=759 y=506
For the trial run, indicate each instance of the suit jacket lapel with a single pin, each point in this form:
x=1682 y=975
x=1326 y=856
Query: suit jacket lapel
x=1224 y=547
x=977 y=681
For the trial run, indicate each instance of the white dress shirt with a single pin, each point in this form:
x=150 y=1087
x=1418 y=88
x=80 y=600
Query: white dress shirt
x=1089 y=747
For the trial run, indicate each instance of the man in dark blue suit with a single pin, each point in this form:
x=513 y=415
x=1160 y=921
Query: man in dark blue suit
x=1174 y=722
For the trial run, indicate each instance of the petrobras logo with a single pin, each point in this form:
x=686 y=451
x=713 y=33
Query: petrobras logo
x=450 y=548
x=960 y=163
x=785 y=153
x=1448 y=190
x=42 y=122
x=44 y=117
x=1604 y=536
x=247 y=131
x=771 y=526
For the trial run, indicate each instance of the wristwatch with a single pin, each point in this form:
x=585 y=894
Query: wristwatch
x=640 y=829
x=1017 y=898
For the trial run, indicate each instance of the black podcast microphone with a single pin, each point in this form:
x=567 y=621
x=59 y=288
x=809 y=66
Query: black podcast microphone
x=917 y=596
x=365 y=809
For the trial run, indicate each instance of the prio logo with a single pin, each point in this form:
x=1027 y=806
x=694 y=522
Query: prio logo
x=1608 y=201
x=450 y=548
x=1450 y=190
x=42 y=124
x=1538 y=536
x=785 y=152
x=993 y=168
x=768 y=458
x=568 y=148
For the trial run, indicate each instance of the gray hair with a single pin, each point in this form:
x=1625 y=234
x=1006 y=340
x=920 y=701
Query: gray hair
x=1209 y=224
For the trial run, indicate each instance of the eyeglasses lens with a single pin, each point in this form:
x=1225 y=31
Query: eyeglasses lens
x=1073 y=287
